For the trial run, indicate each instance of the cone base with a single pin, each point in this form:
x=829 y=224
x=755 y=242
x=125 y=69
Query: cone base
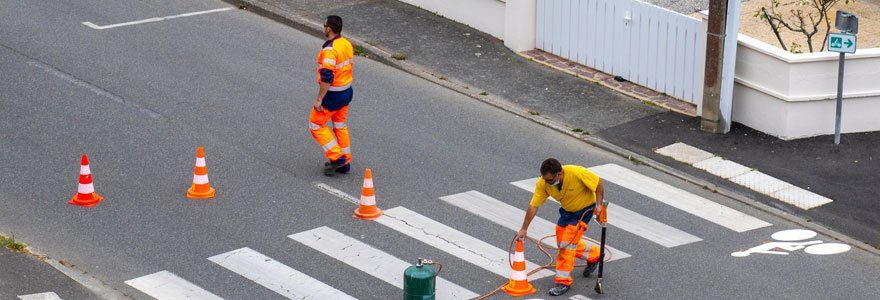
x=511 y=290
x=87 y=203
x=367 y=216
x=192 y=194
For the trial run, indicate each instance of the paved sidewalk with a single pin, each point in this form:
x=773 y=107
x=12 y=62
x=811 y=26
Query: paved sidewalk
x=449 y=49
x=23 y=274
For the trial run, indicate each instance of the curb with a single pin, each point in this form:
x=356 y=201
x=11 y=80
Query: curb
x=380 y=55
x=97 y=287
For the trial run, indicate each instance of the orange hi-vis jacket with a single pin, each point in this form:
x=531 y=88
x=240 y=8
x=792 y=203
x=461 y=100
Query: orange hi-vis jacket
x=335 y=64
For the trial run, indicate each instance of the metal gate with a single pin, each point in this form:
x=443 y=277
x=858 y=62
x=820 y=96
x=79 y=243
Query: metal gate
x=657 y=48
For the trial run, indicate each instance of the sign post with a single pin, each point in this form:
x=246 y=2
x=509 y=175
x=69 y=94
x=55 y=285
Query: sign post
x=843 y=42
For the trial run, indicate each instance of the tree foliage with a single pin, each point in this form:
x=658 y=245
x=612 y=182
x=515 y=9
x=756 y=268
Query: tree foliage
x=801 y=16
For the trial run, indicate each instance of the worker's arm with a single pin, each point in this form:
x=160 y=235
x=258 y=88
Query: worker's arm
x=322 y=91
x=530 y=214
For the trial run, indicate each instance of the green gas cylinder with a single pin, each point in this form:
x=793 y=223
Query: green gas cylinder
x=419 y=281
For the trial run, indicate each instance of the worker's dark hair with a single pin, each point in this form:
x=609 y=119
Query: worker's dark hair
x=335 y=23
x=550 y=166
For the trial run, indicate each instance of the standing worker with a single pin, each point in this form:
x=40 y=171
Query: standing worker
x=335 y=74
x=578 y=190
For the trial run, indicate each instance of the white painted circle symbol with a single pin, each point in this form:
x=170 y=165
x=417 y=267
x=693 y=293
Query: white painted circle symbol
x=793 y=235
x=827 y=249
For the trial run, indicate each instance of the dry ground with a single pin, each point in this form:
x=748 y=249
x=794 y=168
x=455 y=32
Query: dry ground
x=868 y=12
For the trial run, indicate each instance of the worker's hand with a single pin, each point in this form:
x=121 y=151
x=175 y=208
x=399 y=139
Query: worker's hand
x=521 y=234
x=318 y=105
x=601 y=212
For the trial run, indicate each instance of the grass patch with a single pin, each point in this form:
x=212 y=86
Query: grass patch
x=636 y=161
x=359 y=51
x=398 y=56
x=484 y=94
x=11 y=243
x=534 y=113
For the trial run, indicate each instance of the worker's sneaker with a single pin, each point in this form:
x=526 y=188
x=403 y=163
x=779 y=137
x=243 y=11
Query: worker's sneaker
x=590 y=268
x=559 y=289
x=330 y=167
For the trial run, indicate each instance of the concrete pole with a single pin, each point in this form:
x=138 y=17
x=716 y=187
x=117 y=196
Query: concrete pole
x=711 y=117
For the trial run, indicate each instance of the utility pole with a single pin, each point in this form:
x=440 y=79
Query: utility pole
x=711 y=116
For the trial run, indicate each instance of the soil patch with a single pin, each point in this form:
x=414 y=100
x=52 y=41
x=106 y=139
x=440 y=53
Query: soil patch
x=869 y=24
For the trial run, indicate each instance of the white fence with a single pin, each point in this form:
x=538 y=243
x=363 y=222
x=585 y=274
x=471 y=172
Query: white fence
x=654 y=47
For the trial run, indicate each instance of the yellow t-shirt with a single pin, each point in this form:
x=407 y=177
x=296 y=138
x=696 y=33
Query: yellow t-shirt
x=578 y=189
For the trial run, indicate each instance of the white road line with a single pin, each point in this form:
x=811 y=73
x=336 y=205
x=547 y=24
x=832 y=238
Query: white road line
x=452 y=241
x=40 y=296
x=165 y=285
x=633 y=222
x=335 y=192
x=510 y=217
x=150 y=20
x=371 y=260
x=276 y=276
x=678 y=198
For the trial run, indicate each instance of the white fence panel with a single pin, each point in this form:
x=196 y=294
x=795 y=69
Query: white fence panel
x=652 y=46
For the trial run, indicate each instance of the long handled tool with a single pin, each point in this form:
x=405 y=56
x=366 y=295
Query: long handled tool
x=602 y=218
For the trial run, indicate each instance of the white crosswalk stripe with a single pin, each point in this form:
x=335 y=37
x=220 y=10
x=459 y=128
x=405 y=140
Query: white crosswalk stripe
x=633 y=222
x=40 y=296
x=276 y=276
x=510 y=217
x=452 y=241
x=678 y=198
x=165 y=285
x=371 y=260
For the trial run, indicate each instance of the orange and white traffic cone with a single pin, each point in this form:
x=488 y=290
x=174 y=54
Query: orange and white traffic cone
x=201 y=187
x=85 y=192
x=367 y=209
x=519 y=280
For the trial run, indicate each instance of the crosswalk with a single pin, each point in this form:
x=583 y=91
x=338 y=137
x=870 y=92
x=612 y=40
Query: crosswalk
x=286 y=281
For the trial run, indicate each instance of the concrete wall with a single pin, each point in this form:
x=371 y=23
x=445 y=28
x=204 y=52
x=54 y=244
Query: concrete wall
x=793 y=95
x=484 y=15
x=510 y=20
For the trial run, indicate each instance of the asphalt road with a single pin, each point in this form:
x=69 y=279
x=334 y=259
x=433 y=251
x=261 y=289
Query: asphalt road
x=139 y=99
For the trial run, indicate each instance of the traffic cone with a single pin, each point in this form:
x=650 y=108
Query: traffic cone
x=367 y=209
x=85 y=192
x=200 y=188
x=519 y=280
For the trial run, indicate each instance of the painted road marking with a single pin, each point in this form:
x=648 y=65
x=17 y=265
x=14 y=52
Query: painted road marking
x=633 y=222
x=150 y=20
x=744 y=176
x=452 y=241
x=685 y=153
x=165 y=285
x=510 y=217
x=678 y=198
x=371 y=260
x=787 y=241
x=40 y=296
x=276 y=276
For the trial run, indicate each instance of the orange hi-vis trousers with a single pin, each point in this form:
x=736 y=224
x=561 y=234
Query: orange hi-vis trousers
x=336 y=144
x=571 y=246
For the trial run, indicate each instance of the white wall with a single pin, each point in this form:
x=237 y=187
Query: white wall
x=794 y=95
x=484 y=15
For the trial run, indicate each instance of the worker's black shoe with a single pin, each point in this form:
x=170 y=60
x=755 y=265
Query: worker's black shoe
x=331 y=166
x=344 y=169
x=559 y=289
x=590 y=268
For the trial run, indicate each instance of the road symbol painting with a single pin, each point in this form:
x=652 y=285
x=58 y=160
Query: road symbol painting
x=788 y=241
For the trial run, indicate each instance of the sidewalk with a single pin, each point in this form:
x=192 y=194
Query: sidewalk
x=26 y=276
x=452 y=52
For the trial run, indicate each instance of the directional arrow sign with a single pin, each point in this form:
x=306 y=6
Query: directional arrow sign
x=842 y=42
